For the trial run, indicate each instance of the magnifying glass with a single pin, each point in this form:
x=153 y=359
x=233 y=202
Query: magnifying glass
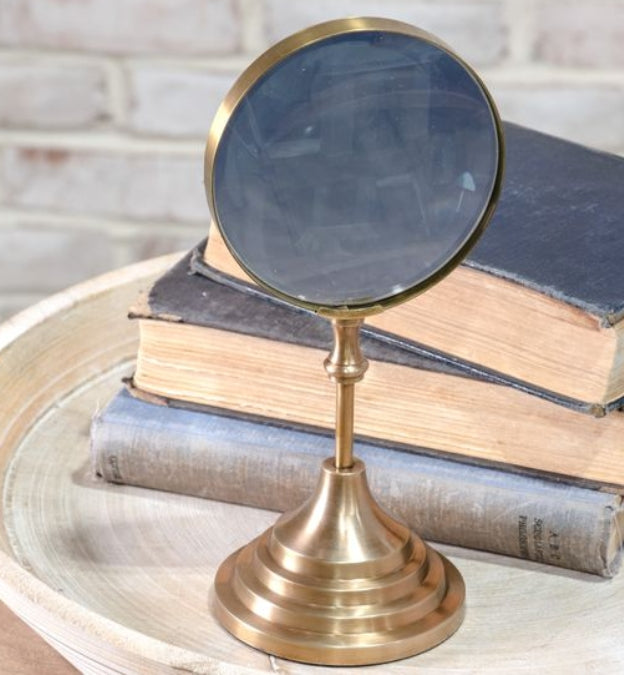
x=354 y=164
x=349 y=168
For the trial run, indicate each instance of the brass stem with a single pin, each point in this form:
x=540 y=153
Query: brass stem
x=345 y=366
x=344 y=426
x=338 y=581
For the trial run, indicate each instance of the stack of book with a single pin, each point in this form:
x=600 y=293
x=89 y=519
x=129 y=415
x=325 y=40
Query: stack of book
x=489 y=417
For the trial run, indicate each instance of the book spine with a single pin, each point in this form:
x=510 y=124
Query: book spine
x=272 y=467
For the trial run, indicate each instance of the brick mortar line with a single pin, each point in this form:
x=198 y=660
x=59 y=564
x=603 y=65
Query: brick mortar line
x=102 y=143
x=520 y=19
x=252 y=17
x=98 y=141
x=538 y=76
x=64 y=56
x=220 y=65
x=118 y=92
x=506 y=68
x=12 y=217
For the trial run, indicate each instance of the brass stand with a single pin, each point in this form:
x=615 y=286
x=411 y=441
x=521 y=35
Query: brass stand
x=338 y=581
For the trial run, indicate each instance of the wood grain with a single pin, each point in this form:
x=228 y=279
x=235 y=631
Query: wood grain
x=119 y=579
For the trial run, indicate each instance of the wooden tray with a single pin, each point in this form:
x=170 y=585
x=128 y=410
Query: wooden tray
x=119 y=579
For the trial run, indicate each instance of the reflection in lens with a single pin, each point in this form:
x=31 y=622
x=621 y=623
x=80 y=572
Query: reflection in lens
x=356 y=167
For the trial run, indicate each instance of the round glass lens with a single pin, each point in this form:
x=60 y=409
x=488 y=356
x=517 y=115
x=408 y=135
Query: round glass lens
x=356 y=168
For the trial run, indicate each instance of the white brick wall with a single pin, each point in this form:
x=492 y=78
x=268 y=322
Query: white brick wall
x=123 y=26
x=174 y=101
x=105 y=105
x=139 y=186
x=579 y=33
x=44 y=93
x=34 y=269
x=475 y=28
x=592 y=114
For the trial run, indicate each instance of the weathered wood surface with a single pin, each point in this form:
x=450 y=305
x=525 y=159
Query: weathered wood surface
x=118 y=579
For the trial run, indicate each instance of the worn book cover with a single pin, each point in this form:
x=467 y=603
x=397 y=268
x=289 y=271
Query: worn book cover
x=540 y=299
x=230 y=458
x=205 y=343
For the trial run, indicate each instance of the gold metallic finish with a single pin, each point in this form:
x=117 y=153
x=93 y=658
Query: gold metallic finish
x=346 y=363
x=345 y=406
x=345 y=366
x=339 y=582
x=270 y=59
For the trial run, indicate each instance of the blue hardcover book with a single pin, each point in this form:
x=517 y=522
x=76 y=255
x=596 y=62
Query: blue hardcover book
x=271 y=466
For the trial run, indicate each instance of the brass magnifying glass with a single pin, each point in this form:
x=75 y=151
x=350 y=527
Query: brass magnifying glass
x=350 y=167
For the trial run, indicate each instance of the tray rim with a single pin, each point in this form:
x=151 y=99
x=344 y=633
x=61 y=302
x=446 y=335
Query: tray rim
x=48 y=612
x=62 y=622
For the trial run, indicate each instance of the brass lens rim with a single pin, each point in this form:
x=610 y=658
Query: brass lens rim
x=283 y=50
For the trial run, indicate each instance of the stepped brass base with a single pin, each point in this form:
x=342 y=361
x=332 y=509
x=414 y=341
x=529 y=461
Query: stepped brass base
x=339 y=582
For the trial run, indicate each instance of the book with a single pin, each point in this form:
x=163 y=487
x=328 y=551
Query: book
x=206 y=344
x=268 y=466
x=540 y=299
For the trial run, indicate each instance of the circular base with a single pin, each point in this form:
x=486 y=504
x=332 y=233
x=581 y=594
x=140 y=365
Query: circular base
x=253 y=624
x=339 y=582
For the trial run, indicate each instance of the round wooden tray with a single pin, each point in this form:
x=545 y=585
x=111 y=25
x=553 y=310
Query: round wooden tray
x=119 y=579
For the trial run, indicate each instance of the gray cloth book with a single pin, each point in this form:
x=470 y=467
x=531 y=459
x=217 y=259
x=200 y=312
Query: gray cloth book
x=202 y=342
x=275 y=467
